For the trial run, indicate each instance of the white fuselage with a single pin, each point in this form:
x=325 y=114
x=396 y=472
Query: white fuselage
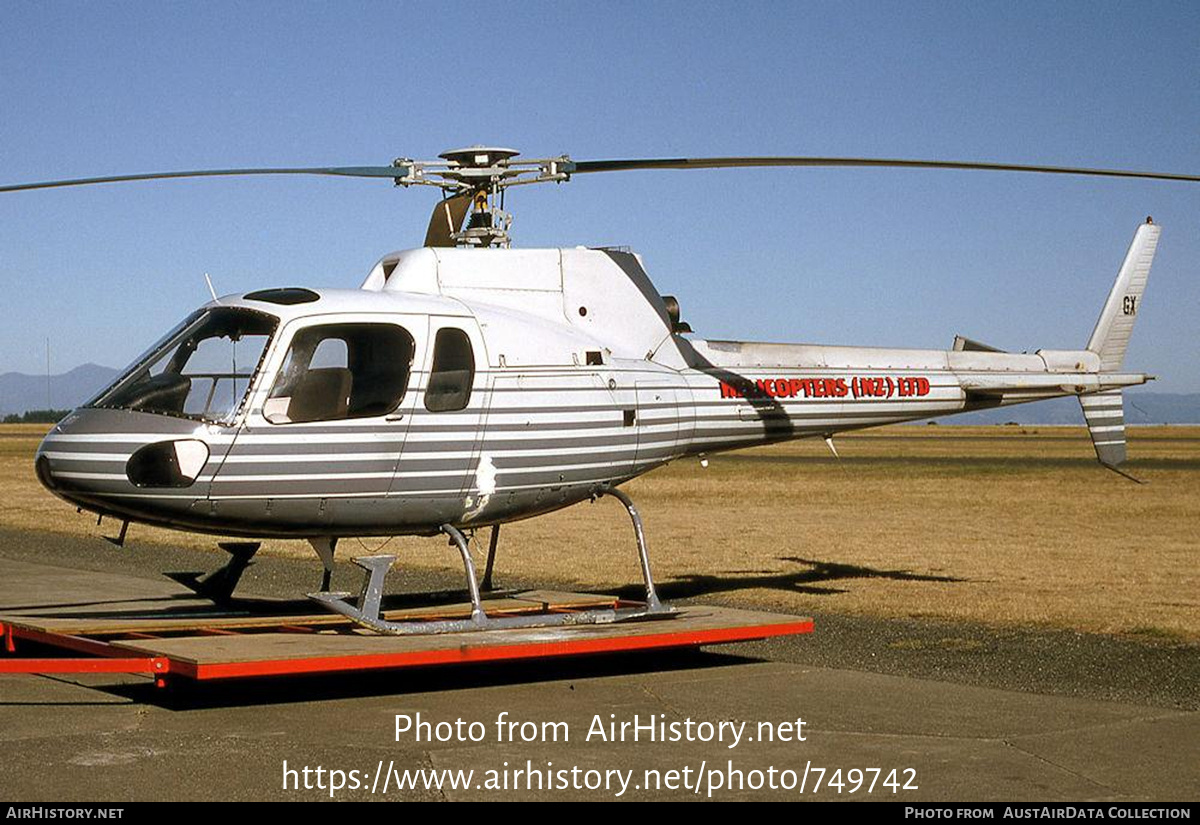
x=472 y=387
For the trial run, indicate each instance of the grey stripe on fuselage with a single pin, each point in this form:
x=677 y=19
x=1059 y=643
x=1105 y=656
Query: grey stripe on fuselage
x=551 y=446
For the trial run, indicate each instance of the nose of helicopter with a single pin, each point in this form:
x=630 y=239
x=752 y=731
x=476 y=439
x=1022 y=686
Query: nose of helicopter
x=126 y=463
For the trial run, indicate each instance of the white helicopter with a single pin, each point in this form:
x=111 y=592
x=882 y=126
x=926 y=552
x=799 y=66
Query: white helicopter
x=467 y=384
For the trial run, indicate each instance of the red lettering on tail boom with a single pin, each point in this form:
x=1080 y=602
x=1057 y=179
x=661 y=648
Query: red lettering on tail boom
x=858 y=386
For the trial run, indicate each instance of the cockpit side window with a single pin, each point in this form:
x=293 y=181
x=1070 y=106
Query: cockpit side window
x=453 y=372
x=340 y=371
x=201 y=370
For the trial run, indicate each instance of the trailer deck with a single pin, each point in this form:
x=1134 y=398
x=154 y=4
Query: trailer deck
x=264 y=638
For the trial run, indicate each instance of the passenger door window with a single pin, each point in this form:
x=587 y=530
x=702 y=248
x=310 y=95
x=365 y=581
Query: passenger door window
x=340 y=371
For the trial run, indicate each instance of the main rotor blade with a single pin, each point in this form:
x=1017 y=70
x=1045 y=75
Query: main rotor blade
x=585 y=166
x=340 y=171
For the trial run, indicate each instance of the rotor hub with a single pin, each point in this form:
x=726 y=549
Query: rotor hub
x=479 y=156
x=480 y=174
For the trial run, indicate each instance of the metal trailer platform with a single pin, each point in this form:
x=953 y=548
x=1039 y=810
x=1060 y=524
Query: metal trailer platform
x=210 y=645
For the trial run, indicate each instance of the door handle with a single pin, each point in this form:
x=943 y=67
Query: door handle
x=394 y=417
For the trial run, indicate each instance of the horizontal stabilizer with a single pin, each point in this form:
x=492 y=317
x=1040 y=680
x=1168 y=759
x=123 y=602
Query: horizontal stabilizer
x=964 y=344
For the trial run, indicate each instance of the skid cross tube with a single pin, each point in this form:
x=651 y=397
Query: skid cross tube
x=653 y=605
x=478 y=617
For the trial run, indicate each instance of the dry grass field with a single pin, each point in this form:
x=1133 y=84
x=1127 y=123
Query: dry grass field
x=1002 y=525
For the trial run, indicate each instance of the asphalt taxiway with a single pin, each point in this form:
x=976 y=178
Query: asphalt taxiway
x=961 y=712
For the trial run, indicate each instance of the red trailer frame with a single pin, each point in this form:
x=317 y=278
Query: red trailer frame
x=217 y=648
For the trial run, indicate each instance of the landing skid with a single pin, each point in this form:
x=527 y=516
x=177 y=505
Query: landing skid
x=368 y=610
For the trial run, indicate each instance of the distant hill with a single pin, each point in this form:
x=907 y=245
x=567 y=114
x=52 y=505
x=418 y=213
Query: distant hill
x=20 y=392
x=1140 y=408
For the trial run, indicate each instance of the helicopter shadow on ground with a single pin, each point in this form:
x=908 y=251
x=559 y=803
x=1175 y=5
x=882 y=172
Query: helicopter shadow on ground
x=808 y=581
x=67 y=609
x=174 y=606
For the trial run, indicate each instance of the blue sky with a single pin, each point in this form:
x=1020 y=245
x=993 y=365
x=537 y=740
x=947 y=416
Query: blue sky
x=896 y=258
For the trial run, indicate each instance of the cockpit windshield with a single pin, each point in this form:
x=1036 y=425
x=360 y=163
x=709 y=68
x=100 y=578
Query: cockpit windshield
x=202 y=369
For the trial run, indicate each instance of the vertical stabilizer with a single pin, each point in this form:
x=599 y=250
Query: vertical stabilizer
x=1105 y=411
x=1110 y=338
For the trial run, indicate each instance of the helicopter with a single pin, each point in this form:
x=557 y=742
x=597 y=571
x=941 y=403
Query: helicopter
x=467 y=384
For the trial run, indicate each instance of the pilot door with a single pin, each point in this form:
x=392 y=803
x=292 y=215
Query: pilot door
x=439 y=478
x=327 y=423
